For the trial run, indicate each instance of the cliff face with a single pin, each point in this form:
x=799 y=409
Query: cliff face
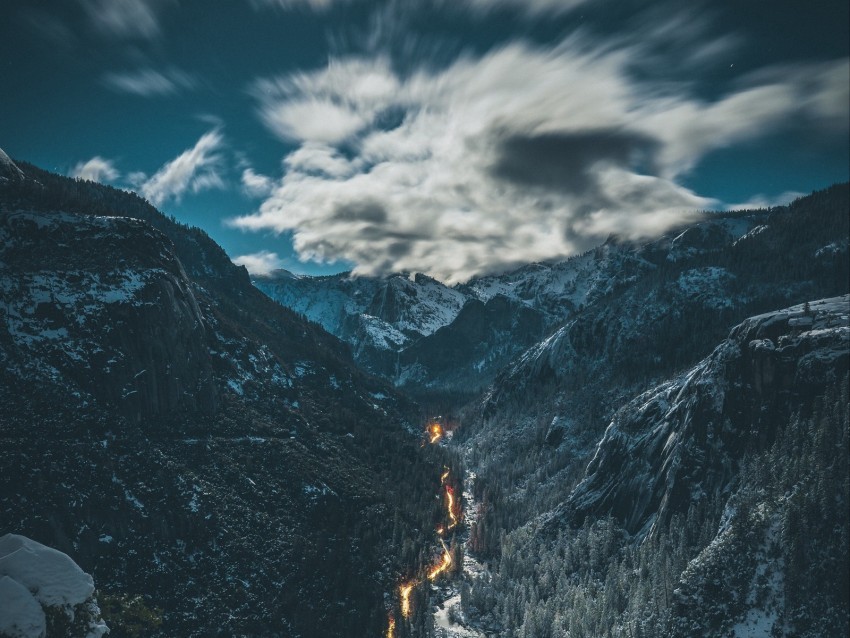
x=682 y=442
x=103 y=302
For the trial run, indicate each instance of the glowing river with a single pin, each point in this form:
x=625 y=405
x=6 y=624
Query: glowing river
x=434 y=432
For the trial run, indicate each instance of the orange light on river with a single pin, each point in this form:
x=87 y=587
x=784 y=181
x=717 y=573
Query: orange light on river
x=450 y=496
x=443 y=565
x=404 y=594
x=435 y=432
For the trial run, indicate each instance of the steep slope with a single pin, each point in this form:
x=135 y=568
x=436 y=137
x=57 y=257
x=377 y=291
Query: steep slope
x=9 y=171
x=683 y=441
x=663 y=307
x=716 y=503
x=185 y=438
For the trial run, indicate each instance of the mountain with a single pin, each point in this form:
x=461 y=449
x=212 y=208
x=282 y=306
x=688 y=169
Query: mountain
x=715 y=504
x=9 y=171
x=684 y=440
x=651 y=482
x=426 y=337
x=429 y=338
x=217 y=463
x=665 y=306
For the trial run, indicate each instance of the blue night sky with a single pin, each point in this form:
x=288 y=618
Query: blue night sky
x=452 y=137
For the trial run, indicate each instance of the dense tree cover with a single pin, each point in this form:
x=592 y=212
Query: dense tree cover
x=778 y=548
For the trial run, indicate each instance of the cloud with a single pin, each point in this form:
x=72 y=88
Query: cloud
x=260 y=263
x=256 y=185
x=196 y=169
x=327 y=108
x=536 y=8
x=149 y=82
x=533 y=8
x=524 y=153
x=765 y=201
x=97 y=169
x=314 y=5
x=125 y=18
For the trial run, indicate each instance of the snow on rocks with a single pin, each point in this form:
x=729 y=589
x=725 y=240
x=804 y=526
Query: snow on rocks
x=20 y=614
x=34 y=577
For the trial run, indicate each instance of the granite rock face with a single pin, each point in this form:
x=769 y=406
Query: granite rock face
x=683 y=440
x=104 y=302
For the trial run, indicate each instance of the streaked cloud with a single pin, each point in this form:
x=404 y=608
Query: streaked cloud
x=530 y=7
x=125 y=18
x=328 y=107
x=148 y=82
x=314 y=5
x=196 y=169
x=259 y=263
x=97 y=169
x=534 y=8
x=524 y=153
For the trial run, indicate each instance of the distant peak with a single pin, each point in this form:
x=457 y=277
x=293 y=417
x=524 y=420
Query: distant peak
x=278 y=274
x=8 y=169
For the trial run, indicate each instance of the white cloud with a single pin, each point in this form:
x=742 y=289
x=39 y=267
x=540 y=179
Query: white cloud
x=765 y=201
x=256 y=185
x=260 y=263
x=329 y=107
x=125 y=18
x=522 y=154
x=312 y=120
x=97 y=169
x=196 y=169
x=150 y=82
x=136 y=178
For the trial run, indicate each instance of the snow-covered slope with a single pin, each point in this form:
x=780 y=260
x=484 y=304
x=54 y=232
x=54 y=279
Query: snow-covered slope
x=9 y=171
x=396 y=324
x=413 y=307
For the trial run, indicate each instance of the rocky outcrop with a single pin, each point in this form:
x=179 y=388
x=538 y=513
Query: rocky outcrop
x=44 y=593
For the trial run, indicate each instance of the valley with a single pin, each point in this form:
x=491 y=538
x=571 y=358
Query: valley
x=234 y=455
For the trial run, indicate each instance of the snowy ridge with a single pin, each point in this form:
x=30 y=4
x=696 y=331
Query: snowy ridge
x=9 y=171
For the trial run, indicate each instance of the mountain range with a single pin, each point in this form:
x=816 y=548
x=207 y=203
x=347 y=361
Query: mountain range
x=653 y=435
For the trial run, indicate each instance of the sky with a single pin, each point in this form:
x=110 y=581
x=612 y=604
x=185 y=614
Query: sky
x=450 y=137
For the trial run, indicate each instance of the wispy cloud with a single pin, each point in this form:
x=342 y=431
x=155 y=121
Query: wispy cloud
x=314 y=5
x=529 y=7
x=765 y=201
x=149 y=82
x=532 y=8
x=260 y=263
x=255 y=184
x=97 y=169
x=525 y=153
x=196 y=169
x=125 y=18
